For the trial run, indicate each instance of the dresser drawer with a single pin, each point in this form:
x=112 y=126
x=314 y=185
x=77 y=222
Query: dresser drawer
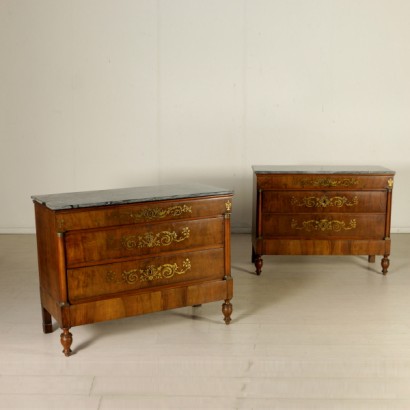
x=327 y=182
x=324 y=201
x=369 y=226
x=98 y=246
x=103 y=280
x=97 y=217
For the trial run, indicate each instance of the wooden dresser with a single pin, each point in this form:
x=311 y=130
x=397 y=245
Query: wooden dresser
x=313 y=210
x=106 y=255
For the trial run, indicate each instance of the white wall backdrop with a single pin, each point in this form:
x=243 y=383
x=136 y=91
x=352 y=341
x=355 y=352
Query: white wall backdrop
x=115 y=93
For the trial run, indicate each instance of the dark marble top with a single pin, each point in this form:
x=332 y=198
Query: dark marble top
x=314 y=169
x=127 y=195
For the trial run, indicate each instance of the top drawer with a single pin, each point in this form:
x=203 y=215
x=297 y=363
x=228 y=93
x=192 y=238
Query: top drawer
x=67 y=220
x=325 y=181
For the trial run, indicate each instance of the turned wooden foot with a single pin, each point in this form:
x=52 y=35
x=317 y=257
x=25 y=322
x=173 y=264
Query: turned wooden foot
x=66 y=338
x=47 y=324
x=385 y=264
x=372 y=258
x=258 y=264
x=227 y=311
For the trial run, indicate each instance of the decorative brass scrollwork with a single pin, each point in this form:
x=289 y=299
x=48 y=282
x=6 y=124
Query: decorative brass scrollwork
x=390 y=183
x=62 y=224
x=150 y=214
x=228 y=205
x=324 y=225
x=166 y=271
x=150 y=273
x=150 y=239
x=324 y=201
x=329 y=182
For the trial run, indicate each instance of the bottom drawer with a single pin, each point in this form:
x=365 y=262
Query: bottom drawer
x=103 y=280
x=366 y=226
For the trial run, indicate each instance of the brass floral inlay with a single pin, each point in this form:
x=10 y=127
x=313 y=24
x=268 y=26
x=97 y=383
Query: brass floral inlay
x=61 y=224
x=149 y=214
x=166 y=271
x=329 y=182
x=150 y=273
x=324 y=225
x=324 y=201
x=150 y=239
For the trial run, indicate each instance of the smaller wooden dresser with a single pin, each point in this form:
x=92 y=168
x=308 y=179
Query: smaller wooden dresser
x=313 y=210
x=106 y=255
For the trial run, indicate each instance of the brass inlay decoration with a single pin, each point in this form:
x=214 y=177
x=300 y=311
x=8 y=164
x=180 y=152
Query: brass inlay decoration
x=329 y=182
x=166 y=271
x=150 y=214
x=150 y=239
x=150 y=273
x=390 y=183
x=324 y=225
x=228 y=205
x=324 y=201
x=61 y=224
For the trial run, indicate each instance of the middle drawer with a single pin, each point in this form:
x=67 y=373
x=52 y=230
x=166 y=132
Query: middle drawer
x=98 y=246
x=324 y=201
x=102 y=280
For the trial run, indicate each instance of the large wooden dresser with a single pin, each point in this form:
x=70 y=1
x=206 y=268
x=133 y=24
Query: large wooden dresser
x=105 y=255
x=312 y=210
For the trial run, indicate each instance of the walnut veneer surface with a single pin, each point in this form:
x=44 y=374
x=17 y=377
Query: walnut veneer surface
x=311 y=210
x=105 y=255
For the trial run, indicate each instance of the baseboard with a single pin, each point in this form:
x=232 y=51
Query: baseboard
x=234 y=229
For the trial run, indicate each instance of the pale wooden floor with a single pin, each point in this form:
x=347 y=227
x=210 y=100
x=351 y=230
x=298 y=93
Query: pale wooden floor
x=309 y=333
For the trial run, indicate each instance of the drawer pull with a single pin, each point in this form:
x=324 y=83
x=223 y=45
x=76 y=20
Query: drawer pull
x=150 y=273
x=150 y=214
x=150 y=239
x=324 y=201
x=324 y=225
x=329 y=182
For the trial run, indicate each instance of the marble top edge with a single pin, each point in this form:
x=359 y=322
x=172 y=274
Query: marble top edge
x=326 y=169
x=86 y=199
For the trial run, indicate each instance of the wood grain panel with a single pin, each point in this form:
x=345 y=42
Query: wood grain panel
x=141 y=213
x=104 y=280
x=99 y=246
x=323 y=182
x=370 y=226
x=324 y=201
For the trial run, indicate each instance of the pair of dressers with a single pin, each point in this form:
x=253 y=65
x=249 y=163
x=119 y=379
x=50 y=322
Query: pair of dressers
x=311 y=210
x=105 y=255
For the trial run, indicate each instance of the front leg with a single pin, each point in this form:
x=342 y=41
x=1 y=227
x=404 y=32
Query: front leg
x=385 y=264
x=258 y=264
x=66 y=339
x=227 y=311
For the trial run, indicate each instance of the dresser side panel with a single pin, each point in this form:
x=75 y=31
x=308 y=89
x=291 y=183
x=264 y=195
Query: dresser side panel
x=49 y=263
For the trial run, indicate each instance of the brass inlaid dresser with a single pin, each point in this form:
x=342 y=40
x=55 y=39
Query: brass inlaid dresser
x=106 y=255
x=314 y=210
